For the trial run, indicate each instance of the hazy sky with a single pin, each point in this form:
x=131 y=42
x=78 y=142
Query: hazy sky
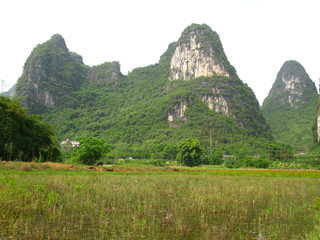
x=258 y=36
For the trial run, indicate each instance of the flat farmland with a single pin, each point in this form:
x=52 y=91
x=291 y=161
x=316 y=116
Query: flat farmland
x=51 y=203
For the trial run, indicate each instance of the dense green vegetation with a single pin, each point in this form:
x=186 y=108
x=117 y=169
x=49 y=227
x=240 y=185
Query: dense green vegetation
x=190 y=152
x=293 y=126
x=90 y=150
x=135 y=115
x=25 y=137
x=62 y=205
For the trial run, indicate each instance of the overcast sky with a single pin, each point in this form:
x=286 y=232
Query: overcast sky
x=258 y=36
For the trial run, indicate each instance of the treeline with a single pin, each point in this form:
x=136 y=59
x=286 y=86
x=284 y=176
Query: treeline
x=26 y=137
x=189 y=152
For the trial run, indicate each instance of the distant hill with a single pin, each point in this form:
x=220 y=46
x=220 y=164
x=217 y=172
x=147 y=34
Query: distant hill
x=290 y=106
x=193 y=91
x=10 y=93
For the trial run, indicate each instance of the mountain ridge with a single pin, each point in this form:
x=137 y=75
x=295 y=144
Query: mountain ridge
x=148 y=106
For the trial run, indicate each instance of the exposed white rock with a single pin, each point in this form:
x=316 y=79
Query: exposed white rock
x=43 y=96
x=293 y=85
x=178 y=112
x=47 y=99
x=191 y=60
x=217 y=103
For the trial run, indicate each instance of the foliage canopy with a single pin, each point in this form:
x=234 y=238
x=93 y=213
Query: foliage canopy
x=25 y=137
x=190 y=152
x=91 y=150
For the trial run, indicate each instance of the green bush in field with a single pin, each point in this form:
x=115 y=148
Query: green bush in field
x=190 y=152
x=213 y=157
x=232 y=163
x=256 y=162
x=279 y=151
x=91 y=150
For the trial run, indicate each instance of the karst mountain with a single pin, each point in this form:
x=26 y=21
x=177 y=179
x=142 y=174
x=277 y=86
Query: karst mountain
x=290 y=106
x=193 y=91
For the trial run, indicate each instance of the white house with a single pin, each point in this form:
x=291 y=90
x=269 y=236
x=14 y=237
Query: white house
x=70 y=143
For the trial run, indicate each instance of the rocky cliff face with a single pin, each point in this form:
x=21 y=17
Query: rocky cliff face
x=217 y=104
x=49 y=73
x=192 y=60
x=37 y=74
x=290 y=105
x=177 y=112
x=198 y=57
x=197 y=53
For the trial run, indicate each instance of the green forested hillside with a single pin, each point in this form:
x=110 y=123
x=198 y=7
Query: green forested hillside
x=290 y=107
x=139 y=113
x=133 y=116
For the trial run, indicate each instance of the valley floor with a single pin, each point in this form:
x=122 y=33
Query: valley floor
x=64 y=201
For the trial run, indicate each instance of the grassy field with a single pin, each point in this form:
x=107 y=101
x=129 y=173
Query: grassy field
x=71 y=202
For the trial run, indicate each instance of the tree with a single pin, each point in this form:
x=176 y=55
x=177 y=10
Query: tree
x=190 y=152
x=274 y=150
x=91 y=150
x=25 y=137
x=279 y=151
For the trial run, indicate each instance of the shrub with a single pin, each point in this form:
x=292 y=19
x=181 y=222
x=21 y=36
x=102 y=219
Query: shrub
x=91 y=150
x=232 y=163
x=214 y=158
x=190 y=152
x=256 y=162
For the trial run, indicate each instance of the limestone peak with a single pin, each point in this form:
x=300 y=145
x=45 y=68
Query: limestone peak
x=292 y=86
x=50 y=73
x=197 y=53
x=290 y=106
x=58 y=40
